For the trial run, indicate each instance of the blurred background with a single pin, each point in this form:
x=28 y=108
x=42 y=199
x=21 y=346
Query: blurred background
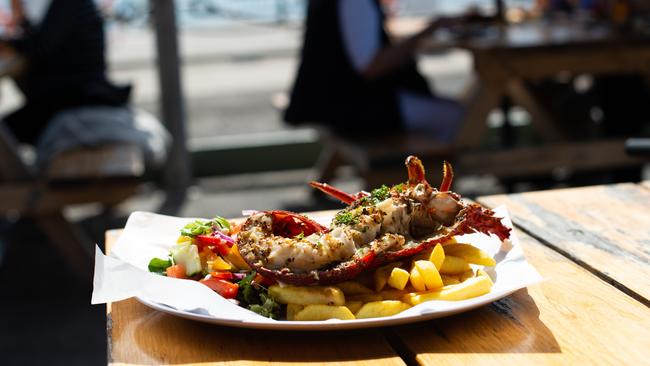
x=222 y=102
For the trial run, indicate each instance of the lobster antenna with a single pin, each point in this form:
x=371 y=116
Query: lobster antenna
x=447 y=176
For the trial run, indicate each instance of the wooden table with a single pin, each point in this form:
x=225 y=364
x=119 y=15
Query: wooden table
x=509 y=57
x=506 y=59
x=591 y=244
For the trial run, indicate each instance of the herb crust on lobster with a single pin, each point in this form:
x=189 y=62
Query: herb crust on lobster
x=383 y=226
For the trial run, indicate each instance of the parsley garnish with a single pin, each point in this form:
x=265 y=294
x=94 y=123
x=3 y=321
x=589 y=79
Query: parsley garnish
x=267 y=306
x=380 y=193
x=346 y=218
x=399 y=187
x=255 y=298
x=300 y=236
x=247 y=293
x=376 y=195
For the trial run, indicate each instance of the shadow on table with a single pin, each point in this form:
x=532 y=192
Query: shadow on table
x=510 y=325
x=231 y=344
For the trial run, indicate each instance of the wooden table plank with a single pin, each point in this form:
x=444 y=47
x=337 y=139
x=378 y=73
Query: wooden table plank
x=140 y=335
x=605 y=229
x=573 y=318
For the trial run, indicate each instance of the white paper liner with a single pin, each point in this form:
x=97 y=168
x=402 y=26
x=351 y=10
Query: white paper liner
x=124 y=274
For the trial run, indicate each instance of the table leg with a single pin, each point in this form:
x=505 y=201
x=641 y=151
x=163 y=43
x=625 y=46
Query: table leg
x=484 y=97
x=541 y=120
x=70 y=242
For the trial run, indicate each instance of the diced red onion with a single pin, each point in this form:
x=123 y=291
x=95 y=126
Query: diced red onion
x=230 y=241
x=239 y=275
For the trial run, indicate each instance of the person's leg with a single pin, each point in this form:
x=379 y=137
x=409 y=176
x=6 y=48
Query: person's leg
x=437 y=117
x=27 y=123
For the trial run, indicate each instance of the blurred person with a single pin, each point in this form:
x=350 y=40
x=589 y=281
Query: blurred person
x=62 y=44
x=69 y=101
x=354 y=79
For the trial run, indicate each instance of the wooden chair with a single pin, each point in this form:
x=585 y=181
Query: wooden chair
x=106 y=175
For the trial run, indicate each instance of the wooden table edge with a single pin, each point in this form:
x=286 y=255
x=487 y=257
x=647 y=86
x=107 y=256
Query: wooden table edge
x=608 y=278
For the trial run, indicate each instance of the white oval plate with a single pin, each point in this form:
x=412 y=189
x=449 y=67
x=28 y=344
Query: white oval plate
x=332 y=324
x=149 y=235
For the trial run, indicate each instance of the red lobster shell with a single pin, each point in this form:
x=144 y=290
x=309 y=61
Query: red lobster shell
x=469 y=219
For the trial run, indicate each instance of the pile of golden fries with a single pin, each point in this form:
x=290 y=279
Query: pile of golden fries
x=442 y=273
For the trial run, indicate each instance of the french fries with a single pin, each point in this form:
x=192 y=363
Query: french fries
x=437 y=256
x=324 y=312
x=417 y=281
x=470 y=254
x=292 y=310
x=441 y=273
x=382 y=273
x=307 y=295
x=353 y=288
x=398 y=278
x=465 y=275
x=449 y=279
x=454 y=265
x=354 y=306
x=365 y=297
x=393 y=294
x=430 y=275
x=472 y=287
x=481 y=272
x=379 y=309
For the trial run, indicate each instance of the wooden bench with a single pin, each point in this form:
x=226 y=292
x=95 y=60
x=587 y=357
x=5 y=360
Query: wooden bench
x=106 y=175
x=381 y=160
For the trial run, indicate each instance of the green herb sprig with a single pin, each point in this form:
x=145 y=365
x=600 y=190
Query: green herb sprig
x=255 y=298
x=346 y=218
x=376 y=195
x=159 y=266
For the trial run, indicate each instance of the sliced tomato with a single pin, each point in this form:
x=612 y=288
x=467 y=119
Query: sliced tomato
x=176 y=271
x=215 y=243
x=222 y=287
x=222 y=275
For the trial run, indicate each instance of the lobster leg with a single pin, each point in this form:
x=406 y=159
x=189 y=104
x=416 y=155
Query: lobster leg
x=475 y=218
x=415 y=170
x=334 y=192
x=447 y=177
